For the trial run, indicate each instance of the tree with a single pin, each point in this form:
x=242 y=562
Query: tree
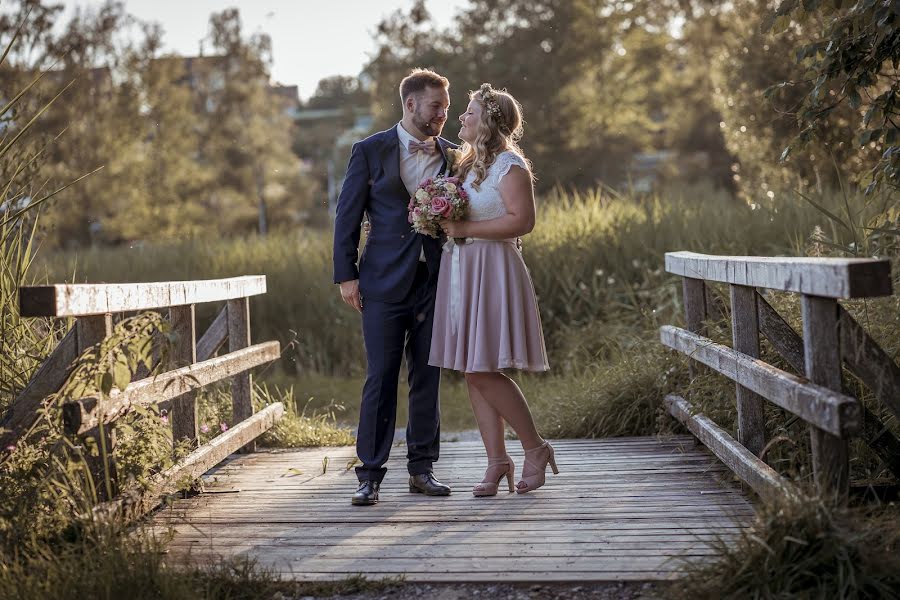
x=249 y=141
x=847 y=71
x=599 y=79
x=168 y=183
x=759 y=120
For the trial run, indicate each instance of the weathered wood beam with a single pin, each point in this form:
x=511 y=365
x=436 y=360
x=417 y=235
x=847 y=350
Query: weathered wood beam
x=242 y=384
x=90 y=331
x=829 y=410
x=826 y=277
x=47 y=380
x=865 y=358
x=695 y=312
x=822 y=357
x=183 y=411
x=780 y=334
x=72 y=300
x=138 y=502
x=82 y=415
x=745 y=338
x=762 y=478
x=215 y=336
x=789 y=345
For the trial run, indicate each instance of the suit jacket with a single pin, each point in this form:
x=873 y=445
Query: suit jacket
x=388 y=264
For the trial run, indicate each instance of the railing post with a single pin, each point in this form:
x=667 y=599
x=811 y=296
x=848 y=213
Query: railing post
x=183 y=413
x=92 y=330
x=745 y=338
x=242 y=384
x=694 y=312
x=822 y=353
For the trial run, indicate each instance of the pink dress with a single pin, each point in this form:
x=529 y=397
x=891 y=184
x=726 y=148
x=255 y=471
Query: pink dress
x=486 y=314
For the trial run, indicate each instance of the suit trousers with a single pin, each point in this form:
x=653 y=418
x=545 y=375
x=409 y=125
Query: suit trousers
x=390 y=330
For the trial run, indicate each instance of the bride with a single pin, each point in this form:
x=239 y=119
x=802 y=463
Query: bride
x=486 y=315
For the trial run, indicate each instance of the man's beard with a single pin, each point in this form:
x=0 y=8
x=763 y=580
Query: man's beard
x=425 y=126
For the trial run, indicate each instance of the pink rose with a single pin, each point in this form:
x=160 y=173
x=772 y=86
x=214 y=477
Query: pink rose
x=441 y=206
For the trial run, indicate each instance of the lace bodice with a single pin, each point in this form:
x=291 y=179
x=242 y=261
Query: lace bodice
x=485 y=203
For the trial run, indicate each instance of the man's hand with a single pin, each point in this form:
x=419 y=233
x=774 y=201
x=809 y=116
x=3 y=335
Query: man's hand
x=350 y=293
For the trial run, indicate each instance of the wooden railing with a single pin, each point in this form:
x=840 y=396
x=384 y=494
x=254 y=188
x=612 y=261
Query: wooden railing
x=193 y=364
x=831 y=337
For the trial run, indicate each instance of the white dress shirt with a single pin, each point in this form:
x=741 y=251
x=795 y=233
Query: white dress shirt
x=416 y=166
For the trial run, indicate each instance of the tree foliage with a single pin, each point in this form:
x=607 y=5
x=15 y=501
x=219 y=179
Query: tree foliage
x=849 y=67
x=187 y=145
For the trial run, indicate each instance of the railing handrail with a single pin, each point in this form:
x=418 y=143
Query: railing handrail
x=831 y=338
x=84 y=299
x=826 y=277
x=191 y=366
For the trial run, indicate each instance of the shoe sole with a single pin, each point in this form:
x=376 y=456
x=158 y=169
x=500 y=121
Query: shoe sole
x=415 y=490
x=356 y=502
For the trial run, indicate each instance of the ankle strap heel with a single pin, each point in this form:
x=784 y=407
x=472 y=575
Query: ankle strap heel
x=535 y=467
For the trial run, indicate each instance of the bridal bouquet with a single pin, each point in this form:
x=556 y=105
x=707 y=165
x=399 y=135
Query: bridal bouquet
x=437 y=198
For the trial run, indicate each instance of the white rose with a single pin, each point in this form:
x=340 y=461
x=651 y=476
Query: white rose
x=421 y=195
x=450 y=187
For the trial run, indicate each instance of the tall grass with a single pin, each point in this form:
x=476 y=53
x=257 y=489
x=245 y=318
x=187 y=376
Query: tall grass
x=803 y=548
x=597 y=262
x=595 y=258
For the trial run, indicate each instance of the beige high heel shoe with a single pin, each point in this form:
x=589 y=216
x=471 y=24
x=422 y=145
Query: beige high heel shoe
x=536 y=461
x=490 y=488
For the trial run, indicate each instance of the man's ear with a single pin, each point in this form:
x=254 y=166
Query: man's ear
x=410 y=103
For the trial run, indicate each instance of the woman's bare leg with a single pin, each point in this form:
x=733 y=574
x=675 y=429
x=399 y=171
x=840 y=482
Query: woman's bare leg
x=507 y=400
x=490 y=424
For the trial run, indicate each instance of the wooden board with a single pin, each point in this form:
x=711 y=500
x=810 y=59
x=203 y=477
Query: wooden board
x=746 y=465
x=827 y=409
x=137 y=502
x=79 y=299
x=620 y=509
x=86 y=413
x=826 y=277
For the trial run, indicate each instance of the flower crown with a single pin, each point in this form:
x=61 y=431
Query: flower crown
x=493 y=107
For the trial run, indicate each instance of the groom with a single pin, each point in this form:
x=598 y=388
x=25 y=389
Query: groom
x=393 y=283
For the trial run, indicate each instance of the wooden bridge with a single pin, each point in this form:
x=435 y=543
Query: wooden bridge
x=621 y=509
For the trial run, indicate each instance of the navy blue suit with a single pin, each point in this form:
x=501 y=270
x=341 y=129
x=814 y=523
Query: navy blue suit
x=398 y=293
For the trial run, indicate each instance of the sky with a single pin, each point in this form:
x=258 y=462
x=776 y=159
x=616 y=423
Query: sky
x=311 y=39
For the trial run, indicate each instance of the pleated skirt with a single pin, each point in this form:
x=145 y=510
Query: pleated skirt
x=486 y=315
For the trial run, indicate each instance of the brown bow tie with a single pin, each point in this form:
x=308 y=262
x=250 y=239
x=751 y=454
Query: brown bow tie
x=427 y=147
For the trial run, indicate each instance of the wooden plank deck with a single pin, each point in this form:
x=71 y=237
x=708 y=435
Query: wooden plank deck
x=620 y=509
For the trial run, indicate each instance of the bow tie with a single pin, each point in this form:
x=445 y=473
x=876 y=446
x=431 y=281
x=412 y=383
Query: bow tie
x=427 y=147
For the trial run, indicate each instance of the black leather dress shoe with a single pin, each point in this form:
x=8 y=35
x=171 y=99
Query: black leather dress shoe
x=428 y=485
x=366 y=494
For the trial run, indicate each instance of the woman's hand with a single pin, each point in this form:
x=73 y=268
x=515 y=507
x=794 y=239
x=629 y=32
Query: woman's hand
x=456 y=229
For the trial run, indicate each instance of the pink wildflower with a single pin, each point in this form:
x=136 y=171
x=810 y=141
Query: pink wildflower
x=204 y=428
x=223 y=426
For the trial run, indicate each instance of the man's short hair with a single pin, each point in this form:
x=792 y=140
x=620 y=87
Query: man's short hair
x=418 y=80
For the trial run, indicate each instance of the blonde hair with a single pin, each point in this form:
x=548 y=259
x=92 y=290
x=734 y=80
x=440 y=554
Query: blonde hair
x=499 y=128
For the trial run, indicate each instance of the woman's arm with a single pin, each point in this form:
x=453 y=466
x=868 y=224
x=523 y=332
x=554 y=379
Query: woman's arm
x=517 y=193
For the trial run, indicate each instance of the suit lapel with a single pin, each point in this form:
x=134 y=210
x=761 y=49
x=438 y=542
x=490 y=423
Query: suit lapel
x=441 y=144
x=390 y=159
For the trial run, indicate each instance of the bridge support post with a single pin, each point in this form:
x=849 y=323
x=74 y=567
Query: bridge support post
x=242 y=384
x=183 y=413
x=694 y=312
x=745 y=337
x=91 y=330
x=822 y=354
